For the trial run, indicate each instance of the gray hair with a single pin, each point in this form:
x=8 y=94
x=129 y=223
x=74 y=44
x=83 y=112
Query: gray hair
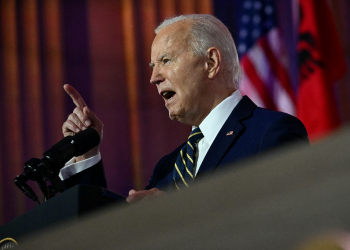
x=207 y=31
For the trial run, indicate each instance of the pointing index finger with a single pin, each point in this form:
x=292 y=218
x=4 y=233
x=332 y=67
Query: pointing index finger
x=74 y=94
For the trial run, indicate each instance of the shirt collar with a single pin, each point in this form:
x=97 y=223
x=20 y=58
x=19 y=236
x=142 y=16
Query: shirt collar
x=214 y=121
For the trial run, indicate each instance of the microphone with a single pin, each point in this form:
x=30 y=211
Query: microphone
x=55 y=158
x=20 y=182
x=68 y=147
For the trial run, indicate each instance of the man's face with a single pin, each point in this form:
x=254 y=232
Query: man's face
x=179 y=75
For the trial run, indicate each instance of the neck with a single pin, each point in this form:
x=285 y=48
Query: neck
x=216 y=101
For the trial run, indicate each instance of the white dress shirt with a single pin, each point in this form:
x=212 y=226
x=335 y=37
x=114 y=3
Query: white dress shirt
x=72 y=167
x=213 y=123
x=210 y=127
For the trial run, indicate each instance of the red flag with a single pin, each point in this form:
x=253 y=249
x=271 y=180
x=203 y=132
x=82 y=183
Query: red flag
x=321 y=63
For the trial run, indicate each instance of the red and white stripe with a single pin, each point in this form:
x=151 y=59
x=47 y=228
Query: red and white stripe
x=265 y=76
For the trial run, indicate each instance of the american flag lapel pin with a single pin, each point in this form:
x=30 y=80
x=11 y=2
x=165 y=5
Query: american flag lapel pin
x=230 y=133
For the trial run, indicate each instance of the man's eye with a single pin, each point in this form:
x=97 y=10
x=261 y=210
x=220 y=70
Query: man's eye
x=166 y=60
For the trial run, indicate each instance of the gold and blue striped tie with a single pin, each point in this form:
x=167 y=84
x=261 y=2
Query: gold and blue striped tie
x=183 y=173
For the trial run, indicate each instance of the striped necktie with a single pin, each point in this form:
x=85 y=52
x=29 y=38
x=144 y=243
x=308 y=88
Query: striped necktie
x=183 y=173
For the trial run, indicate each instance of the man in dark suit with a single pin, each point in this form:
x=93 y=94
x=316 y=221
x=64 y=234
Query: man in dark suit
x=196 y=69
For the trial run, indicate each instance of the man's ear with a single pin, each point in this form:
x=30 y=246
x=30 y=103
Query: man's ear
x=213 y=62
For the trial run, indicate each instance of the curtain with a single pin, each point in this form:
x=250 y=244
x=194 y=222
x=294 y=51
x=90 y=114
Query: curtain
x=102 y=48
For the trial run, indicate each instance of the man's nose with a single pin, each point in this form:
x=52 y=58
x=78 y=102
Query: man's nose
x=156 y=77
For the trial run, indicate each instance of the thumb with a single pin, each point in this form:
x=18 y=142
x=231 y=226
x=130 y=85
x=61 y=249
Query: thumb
x=132 y=191
x=91 y=115
x=95 y=122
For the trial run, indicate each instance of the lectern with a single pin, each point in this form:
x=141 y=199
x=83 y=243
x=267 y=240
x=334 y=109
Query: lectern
x=274 y=201
x=69 y=205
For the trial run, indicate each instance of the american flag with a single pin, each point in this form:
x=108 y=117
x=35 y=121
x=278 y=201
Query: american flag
x=263 y=58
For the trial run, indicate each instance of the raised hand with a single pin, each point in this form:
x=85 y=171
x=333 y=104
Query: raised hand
x=81 y=118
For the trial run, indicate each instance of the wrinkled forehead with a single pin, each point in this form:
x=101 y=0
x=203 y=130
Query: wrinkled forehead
x=173 y=36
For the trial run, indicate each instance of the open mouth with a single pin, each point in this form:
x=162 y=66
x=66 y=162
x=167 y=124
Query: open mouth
x=168 y=94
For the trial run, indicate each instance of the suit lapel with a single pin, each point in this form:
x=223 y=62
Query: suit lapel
x=229 y=133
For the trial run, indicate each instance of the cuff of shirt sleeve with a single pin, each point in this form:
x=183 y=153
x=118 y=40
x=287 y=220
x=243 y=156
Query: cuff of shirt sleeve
x=71 y=168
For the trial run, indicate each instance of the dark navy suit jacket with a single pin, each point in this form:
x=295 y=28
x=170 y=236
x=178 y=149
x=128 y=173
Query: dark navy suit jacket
x=94 y=175
x=255 y=130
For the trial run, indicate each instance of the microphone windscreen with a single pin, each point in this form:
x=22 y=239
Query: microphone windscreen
x=85 y=140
